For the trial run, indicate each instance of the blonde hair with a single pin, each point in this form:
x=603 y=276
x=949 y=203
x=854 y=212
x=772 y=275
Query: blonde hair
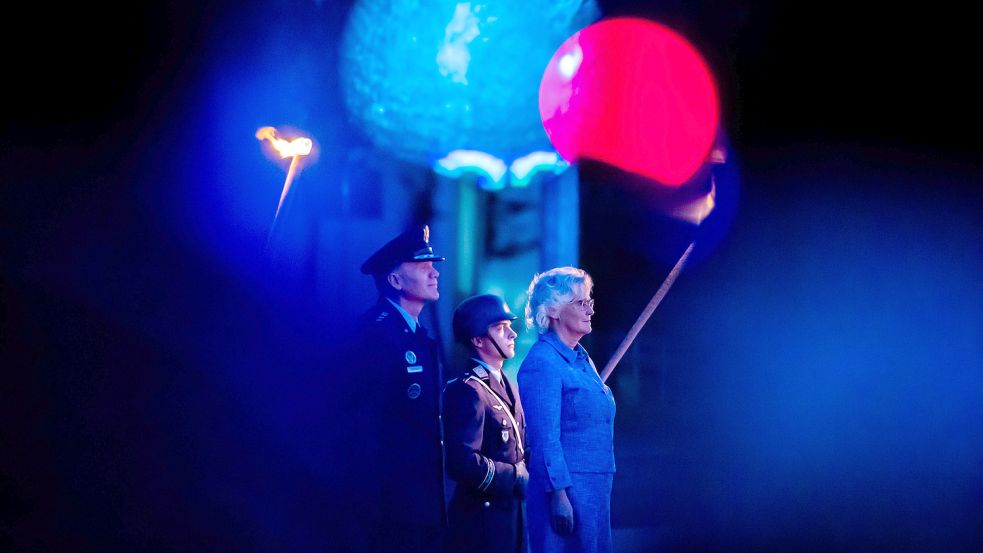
x=548 y=289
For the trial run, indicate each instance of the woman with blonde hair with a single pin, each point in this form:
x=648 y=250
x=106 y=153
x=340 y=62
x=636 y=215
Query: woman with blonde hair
x=570 y=420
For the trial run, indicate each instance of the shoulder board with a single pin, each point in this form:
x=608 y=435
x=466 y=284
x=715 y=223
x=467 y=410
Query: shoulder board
x=480 y=372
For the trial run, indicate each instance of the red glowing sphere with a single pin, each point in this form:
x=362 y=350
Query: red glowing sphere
x=634 y=94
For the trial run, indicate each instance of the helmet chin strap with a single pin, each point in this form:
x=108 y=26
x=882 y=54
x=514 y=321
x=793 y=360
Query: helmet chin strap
x=497 y=348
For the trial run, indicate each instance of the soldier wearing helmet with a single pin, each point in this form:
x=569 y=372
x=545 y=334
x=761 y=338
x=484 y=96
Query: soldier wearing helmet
x=484 y=429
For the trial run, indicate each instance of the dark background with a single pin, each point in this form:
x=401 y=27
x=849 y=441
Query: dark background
x=158 y=397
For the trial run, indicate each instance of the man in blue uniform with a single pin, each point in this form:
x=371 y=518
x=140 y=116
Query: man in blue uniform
x=485 y=435
x=396 y=452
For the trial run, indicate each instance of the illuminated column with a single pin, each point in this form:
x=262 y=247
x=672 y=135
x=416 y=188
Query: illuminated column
x=455 y=211
x=470 y=235
x=560 y=230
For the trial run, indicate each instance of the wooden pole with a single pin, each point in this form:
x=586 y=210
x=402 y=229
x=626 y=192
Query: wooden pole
x=286 y=184
x=283 y=196
x=646 y=313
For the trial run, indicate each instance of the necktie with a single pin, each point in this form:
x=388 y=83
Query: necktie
x=508 y=390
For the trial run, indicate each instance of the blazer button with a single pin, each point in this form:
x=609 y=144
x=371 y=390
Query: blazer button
x=487 y=504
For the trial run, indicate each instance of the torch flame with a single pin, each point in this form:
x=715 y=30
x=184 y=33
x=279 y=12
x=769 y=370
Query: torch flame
x=300 y=146
x=294 y=149
x=697 y=209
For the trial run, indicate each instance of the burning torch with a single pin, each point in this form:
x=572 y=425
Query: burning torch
x=294 y=149
x=694 y=211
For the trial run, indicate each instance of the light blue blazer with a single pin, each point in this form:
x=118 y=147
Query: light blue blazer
x=569 y=414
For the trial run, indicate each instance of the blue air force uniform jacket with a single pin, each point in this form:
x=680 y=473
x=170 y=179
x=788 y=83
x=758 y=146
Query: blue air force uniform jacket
x=485 y=436
x=396 y=454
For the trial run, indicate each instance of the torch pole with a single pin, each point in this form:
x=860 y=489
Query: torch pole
x=283 y=196
x=646 y=313
x=286 y=184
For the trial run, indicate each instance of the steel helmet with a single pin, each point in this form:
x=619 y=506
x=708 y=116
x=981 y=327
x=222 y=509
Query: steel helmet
x=474 y=315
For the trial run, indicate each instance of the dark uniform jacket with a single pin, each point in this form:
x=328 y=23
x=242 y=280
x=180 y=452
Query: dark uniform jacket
x=484 y=444
x=395 y=456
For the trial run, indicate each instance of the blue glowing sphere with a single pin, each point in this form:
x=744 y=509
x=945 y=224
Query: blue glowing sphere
x=423 y=79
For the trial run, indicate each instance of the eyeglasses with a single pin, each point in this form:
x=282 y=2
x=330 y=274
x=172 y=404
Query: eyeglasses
x=584 y=305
